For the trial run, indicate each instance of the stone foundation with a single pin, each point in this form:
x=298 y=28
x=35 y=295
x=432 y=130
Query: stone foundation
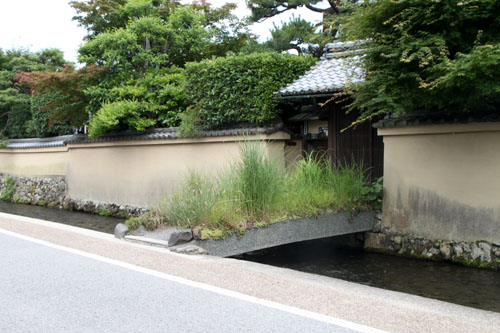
x=51 y=192
x=389 y=240
x=41 y=191
x=102 y=208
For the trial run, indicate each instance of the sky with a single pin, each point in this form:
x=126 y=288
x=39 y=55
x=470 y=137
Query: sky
x=40 y=24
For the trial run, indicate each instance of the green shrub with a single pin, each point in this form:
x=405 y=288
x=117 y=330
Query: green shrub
x=9 y=188
x=156 y=99
x=41 y=125
x=133 y=223
x=189 y=123
x=240 y=88
x=105 y=212
x=121 y=115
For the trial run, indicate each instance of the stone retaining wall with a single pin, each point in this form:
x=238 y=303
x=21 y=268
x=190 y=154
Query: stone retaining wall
x=478 y=253
x=42 y=191
x=51 y=192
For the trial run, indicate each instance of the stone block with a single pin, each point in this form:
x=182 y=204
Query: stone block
x=121 y=230
x=180 y=236
x=446 y=251
x=376 y=241
x=189 y=249
x=141 y=231
x=196 y=234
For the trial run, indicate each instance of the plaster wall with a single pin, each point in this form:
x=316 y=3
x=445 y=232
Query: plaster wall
x=141 y=173
x=314 y=125
x=293 y=153
x=443 y=181
x=135 y=173
x=34 y=162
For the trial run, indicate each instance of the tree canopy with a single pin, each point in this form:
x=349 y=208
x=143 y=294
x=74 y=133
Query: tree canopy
x=14 y=95
x=333 y=13
x=292 y=33
x=262 y=9
x=134 y=55
x=428 y=56
x=143 y=87
x=133 y=75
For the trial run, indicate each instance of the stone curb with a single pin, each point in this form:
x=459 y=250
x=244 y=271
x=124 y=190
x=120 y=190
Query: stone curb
x=147 y=241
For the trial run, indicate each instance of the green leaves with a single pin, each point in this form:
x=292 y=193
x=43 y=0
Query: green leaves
x=240 y=88
x=156 y=99
x=439 y=56
x=14 y=94
x=118 y=116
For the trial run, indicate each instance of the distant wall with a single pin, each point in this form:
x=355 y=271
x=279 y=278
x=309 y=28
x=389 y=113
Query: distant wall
x=443 y=181
x=34 y=162
x=132 y=172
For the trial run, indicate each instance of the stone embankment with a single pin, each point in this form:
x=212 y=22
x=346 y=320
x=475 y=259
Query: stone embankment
x=41 y=191
x=478 y=253
x=51 y=192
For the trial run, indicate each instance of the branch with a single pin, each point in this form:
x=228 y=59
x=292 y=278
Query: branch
x=335 y=7
x=315 y=9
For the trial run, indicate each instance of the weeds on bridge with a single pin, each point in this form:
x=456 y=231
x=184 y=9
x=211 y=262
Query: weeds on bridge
x=257 y=190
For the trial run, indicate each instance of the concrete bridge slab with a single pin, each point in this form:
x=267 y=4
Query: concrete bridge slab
x=281 y=233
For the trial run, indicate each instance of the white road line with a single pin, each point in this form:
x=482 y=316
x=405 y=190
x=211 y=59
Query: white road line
x=203 y=286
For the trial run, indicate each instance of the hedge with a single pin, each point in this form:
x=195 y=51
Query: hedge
x=41 y=125
x=240 y=88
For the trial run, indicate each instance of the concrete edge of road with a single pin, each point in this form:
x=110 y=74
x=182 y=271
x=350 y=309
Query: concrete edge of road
x=93 y=233
x=341 y=287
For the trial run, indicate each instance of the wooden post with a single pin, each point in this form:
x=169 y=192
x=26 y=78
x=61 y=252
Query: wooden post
x=332 y=133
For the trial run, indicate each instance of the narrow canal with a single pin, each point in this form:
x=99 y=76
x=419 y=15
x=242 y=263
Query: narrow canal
x=88 y=221
x=443 y=281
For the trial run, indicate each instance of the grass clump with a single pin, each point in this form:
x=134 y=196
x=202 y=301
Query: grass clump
x=256 y=191
x=9 y=188
x=105 y=212
x=256 y=183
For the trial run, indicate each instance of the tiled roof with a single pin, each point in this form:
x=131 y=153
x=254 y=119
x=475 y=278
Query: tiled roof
x=154 y=134
x=340 y=68
x=57 y=141
x=435 y=118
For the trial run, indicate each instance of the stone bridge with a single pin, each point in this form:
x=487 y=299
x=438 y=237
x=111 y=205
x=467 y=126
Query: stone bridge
x=276 y=234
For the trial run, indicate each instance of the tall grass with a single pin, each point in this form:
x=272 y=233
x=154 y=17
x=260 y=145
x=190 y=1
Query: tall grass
x=317 y=186
x=257 y=181
x=257 y=188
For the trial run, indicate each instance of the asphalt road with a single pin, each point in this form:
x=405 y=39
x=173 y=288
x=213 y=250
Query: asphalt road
x=48 y=289
x=55 y=277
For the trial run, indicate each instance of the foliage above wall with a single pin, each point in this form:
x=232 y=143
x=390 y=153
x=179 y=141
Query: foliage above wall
x=68 y=90
x=240 y=88
x=15 y=96
x=41 y=125
x=429 y=55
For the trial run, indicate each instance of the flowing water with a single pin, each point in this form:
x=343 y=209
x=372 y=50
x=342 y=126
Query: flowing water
x=448 y=282
x=83 y=220
x=444 y=281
